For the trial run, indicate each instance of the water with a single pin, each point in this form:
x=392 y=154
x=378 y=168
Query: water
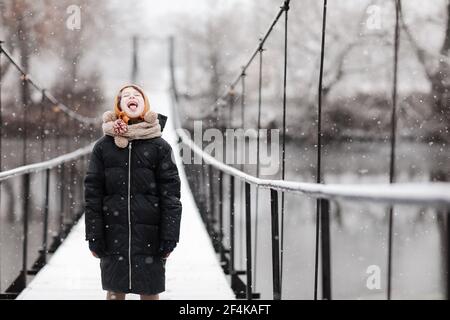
x=359 y=231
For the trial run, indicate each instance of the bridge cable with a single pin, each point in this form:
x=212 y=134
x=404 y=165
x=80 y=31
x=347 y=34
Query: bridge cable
x=28 y=79
x=393 y=142
x=234 y=83
x=285 y=8
x=319 y=146
x=258 y=158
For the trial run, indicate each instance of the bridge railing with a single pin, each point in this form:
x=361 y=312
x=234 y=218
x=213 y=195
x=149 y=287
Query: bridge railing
x=39 y=202
x=215 y=194
x=42 y=233
x=213 y=191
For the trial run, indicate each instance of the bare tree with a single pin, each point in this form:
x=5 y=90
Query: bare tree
x=212 y=47
x=436 y=66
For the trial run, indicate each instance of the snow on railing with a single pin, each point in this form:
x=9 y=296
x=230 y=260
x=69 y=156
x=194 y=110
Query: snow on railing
x=35 y=167
x=407 y=193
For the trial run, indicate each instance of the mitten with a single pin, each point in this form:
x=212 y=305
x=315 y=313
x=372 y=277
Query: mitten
x=167 y=247
x=120 y=126
x=98 y=247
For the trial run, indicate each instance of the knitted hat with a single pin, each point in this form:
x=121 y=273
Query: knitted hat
x=121 y=114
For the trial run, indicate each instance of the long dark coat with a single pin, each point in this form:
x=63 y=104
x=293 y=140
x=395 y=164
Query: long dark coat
x=132 y=201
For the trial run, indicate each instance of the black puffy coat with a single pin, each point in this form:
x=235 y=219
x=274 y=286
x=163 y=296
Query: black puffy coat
x=131 y=209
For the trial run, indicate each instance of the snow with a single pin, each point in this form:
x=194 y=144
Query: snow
x=402 y=193
x=35 y=167
x=192 y=271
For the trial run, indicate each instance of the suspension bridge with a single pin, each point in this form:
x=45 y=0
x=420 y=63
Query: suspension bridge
x=51 y=259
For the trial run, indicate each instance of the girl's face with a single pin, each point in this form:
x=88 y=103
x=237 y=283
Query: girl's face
x=132 y=102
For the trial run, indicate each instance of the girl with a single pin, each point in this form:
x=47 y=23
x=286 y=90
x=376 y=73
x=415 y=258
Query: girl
x=132 y=198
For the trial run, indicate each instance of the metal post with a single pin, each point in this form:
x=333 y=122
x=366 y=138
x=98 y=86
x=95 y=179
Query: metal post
x=200 y=191
x=68 y=215
x=275 y=245
x=242 y=168
x=232 y=271
x=448 y=252
x=325 y=248
x=74 y=182
x=46 y=209
x=221 y=246
x=80 y=199
x=316 y=251
x=26 y=202
x=206 y=208
x=70 y=209
x=80 y=186
x=248 y=239
x=211 y=199
x=58 y=131
x=83 y=174
x=61 y=199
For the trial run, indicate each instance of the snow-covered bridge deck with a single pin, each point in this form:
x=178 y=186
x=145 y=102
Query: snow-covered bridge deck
x=192 y=271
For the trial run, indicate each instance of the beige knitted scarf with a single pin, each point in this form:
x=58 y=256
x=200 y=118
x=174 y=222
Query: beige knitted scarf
x=147 y=129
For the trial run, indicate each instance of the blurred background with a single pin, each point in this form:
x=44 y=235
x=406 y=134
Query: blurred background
x=118 y=42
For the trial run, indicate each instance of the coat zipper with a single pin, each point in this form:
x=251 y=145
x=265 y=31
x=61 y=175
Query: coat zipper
x=129 y=215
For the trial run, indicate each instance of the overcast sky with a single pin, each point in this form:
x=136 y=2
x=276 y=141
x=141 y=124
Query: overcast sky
x=152 y=21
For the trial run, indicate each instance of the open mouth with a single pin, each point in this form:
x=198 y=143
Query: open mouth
x=132 y=105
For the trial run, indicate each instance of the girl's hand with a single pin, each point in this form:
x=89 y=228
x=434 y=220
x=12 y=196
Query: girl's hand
x=120 y=126
x=166 y=247
x=97 y=248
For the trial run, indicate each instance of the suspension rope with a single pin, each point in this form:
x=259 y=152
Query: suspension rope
x=285 y=8
x=234 y=83
x=258 y=159
x=42 y=125
x=25 y=102
x=393 y=142
x=319 y=145
x=27 y=78
x=264 y=38
x=231 y=101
